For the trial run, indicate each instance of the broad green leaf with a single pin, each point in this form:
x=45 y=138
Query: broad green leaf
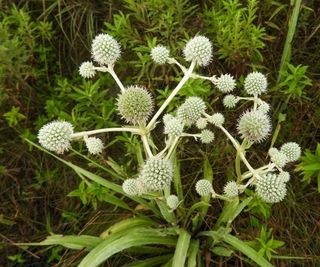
x=155 y=261
x=222 y=251
x=193 y=253
x=164 y=209
x=182 y=247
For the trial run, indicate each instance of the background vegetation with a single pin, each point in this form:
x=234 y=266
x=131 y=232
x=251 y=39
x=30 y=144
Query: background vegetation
x=42 y=43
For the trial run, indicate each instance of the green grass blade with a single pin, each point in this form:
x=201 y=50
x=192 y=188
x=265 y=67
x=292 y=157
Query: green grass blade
x=182 y=247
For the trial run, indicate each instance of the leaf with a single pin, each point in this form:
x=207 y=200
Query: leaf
x=182 y=247
x=164 y=209
x=155 y=261
x=193 y=252
x=222 y=251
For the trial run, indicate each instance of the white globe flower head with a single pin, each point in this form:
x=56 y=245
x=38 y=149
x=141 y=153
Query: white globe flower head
x=255 y=83
x=160 y=54
x=156 y=174
x=191 y=110
x=263 y=106
x=284 y=176
x=105 y=49
x=231 y=189
x=217 y=119
x=225 y=83
x=56 y=136
x=206 y=136
x=270 y=188
x=130 y=187
x=201 y=123
x=173 y=127
x=87 y=70
x=94 y=145
x=172 y=202
x=199 y=50
x=292 y=151
x=167 y=117
x=204 y=188
x=230 y=101
x=254 y=125
x=277 y=157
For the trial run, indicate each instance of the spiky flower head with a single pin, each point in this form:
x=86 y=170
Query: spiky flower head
x=191 y=110
x=160 y=54
x=204 y=187
x=225 y=83
x=255 y=83
x=231 y=189
x=270 y=188
x=94 y=145
x=172 y=202
x=201 y=123
x=230 y=101
x=254 y=125
x=284 y=176
x=216 y=119
x=135 y=104
x=156 y=174
x=130 y=187
x=56 y=136
x=206 y=136
x=292 y=151
x=277 y=157
x=87 y=70
x=173 y=127
x=199 y=50
x=263 y=106
x=105 y=49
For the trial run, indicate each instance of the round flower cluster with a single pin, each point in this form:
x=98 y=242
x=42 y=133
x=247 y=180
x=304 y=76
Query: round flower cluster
x=230 y=101
x=94 y=145
x=284 y=176
x=225 y=83
x=173 y=127
x=263 y=106
x=135 y=104
x=56 y=136
x=292 y=151
x=204 y=188
x=255 y=83
x=87 y=70
x=206 y=136
x=270 y=188
x=131 y=187
x=199 y=50
x=105 y=49
x=167 y=117
x=231 y=189
x=277 y=157
x=172 y=202
x=254 y=125
x=201 y=123
x=156 y=174
x=191 y=110
x=217 y=119
x=160 y=54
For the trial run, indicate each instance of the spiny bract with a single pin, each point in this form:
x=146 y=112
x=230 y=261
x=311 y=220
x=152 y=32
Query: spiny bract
x=87 y=70
x=225 y=83
x=199 y=50
x=94 y=145
x=160 y=54
x=204 y=187
x=255 y=83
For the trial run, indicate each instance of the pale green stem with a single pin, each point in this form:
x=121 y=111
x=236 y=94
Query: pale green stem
x=215 y=195
x=146 y=145
x=172 y=95
x=106 y=130
x=255 y=103
x=116 y=78
x=190 y=135
x=168 y=144
x=172 y=147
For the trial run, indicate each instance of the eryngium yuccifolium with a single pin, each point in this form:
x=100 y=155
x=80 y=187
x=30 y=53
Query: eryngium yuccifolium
x=263 y=106
x=206 y=136
x=56 y=136
x=270 y=188
x=204 y=187
x=199 y=50
x=173 y=127
x=201 y=123
x=255 y=83
x=87 y=70
x=94 y=145
x=225 y=83
x=254 y=125
x=277 y=157
x=216 y=119
x=172 y=202
x=191 y=110
x=135 y=104
x=292 y=151
x=230 y=101
x=105 y=49
x=160 y=54
x=130 y=187
x=231 y=189
x=284 y=176
x=156 y=174
x=167 y=117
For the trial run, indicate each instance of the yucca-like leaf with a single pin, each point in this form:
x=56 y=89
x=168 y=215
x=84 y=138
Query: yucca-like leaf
x=182 y=247
x=155 y=261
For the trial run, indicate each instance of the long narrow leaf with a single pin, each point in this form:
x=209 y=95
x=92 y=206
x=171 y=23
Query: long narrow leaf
x=182 y=247
x=155 y=261
x=193 y=253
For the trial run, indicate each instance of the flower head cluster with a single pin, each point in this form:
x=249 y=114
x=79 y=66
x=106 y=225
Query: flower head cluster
x=94 y=145
x=172 y=202
x=204 y=187
x=199 y=50
x=87 y=70
x=201 y=123
x=291 y=150
x=225 y=83
x=216 y=119
x=230 y=101
x=131 y=187
x=277 y=157
x=191 y=110
x=160 y=54
x=206 y=136
x=231 y=189
x=173 y=127
x=255 y=83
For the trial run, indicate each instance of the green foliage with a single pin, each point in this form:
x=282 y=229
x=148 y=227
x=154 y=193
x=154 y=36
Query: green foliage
x=13 y=116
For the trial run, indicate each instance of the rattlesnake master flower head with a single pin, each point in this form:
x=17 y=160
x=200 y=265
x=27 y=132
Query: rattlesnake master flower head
x=216 y=119
x=160 y=54
x=56 y=136
x=284 y=176
x=135 y=104
x=130 y=187
x=173 y=127
x=204 y=187
x=156 y=174
x=167 y=117
x=255 y=83
x=105 y=49
x=172 y=202
x=199 y=50
x=206 y=136
x=254 y=125
x=230 y=101
x=231 y=189
x=191 y=110
x=277 y=157
x=292 y=151
x=225 y=83
x=263 y=106
x=270 y=188
x=201 y=123
x=94 y=145
x=87 y=70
